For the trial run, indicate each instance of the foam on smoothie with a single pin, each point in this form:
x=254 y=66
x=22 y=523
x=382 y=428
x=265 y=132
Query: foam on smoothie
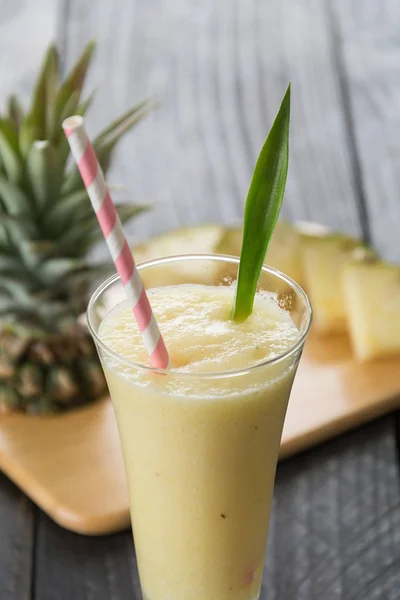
x=201 y=337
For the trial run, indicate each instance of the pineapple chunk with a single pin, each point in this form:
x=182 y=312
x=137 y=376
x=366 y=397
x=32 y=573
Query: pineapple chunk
x=372 y=298
x=324 y=257
x=192 y=240
x=283 y=252
x=231 y=241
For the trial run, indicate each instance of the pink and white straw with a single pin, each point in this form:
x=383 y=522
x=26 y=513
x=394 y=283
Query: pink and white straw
x=93 y=178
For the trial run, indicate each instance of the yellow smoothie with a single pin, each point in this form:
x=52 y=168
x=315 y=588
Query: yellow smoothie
x=201 y=443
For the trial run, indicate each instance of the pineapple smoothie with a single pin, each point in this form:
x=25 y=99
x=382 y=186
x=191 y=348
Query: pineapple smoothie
x=201 y=441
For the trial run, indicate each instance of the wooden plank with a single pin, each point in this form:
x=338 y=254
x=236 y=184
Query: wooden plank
x=64 y=464
x=72 y=566
x=219 y=70
x=16 y=546
x=25 y=30
x=367 y=41
x=290 y=41
x=335 y=531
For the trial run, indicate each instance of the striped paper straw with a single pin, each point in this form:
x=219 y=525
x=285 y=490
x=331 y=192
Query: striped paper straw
x=93 y=178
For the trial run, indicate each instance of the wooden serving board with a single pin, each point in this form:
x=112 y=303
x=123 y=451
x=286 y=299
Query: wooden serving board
x=71 y=465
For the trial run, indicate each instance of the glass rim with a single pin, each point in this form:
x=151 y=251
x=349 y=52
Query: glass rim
x=186 y=375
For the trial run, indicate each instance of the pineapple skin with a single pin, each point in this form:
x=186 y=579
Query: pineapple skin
x=49 y=374
x=48 y=363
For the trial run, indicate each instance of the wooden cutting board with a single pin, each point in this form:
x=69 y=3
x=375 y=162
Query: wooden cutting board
x=71 y=465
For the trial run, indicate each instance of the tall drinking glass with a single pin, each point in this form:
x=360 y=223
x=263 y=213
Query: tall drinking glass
x=200 y=449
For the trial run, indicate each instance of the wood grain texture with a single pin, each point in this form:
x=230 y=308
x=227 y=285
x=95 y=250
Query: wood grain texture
x=219 y=70
x=26 y=28
x=16 y=543
x=69 y=566
x=335 y=532
x=70 y=465
x=332 y=393
x=368 y=39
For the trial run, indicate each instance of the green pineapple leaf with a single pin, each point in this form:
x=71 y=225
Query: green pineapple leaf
x=9 y=130
x=28 y=133
x=138 y=111
x=57 y=269
x=16 y=290
x=75 y=206
x=75 y=242
x=13 y=233
x=52 y=85
x=10 y=160
x=73 y=84
x=262 y=208
x=105 y=143
x=44 y=93
x=69 y=109
x=72 y=182
x=15 y=111
x=71 y=106
x=9 y=263
x=86 y=104
x=45 y=173
x=15 y=201
x=8 y=307
x=126 y=211
x=35 y=252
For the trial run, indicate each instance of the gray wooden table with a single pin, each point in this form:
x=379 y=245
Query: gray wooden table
x=219 y=69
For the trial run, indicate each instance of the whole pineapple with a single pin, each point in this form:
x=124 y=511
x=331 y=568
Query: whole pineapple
x=48 y=361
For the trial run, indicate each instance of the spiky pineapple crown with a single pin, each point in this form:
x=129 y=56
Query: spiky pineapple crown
x=47 y=225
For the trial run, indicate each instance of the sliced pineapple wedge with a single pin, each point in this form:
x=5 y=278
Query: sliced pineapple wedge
x=283 y=252
x=192 y=240
x=195 y=240
x=372 y=297
x=323 y=258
